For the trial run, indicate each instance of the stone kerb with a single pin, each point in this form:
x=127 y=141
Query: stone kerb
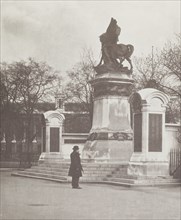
x=52 y=138
x=150 y=156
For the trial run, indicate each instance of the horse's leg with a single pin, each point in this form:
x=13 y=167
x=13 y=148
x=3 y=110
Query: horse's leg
x=129 y=61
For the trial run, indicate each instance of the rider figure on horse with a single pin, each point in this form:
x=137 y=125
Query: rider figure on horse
x=114 y=54
x=109 y=39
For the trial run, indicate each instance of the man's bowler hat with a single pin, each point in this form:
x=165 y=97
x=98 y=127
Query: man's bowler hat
x=75 y=147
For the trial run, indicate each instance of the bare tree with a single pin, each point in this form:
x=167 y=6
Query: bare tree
x=162 y=70
x=9 y=110
x=24 y=84
x=171 y=61
x=78 y=88
x=149 y=72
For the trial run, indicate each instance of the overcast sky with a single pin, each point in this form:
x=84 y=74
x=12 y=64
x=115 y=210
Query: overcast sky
x=57 y=31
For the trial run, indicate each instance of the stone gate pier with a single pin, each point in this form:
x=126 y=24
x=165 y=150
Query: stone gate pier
x=52 y=122
x=150 y=156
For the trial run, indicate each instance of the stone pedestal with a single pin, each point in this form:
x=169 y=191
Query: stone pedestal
x=150 y=156
x=148 y=168
x=52 y=136
x=110 y=138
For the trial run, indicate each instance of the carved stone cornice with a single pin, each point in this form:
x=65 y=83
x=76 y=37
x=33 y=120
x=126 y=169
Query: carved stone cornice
x=99 y=80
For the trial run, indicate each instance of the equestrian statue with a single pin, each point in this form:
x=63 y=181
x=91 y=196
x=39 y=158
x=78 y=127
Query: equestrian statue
x=113 y=54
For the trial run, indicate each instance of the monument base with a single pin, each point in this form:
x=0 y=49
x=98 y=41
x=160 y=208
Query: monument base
x=107 y=151
x=148 y=169
x=51 y=157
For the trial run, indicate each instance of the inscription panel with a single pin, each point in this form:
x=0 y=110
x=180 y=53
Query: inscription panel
x=155 y=133
x=54 y=139
x=138 y=132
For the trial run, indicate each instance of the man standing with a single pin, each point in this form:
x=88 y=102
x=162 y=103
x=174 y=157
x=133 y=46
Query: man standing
x=75 y=170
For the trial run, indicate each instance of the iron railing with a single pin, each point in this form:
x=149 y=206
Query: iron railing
x=175 y=160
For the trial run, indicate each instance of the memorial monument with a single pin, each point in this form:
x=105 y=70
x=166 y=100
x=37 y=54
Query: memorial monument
x=111 y=135
x=150 y=156
x=52 y=123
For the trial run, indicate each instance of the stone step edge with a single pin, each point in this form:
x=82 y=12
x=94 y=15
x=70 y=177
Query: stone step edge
x=39 y=177
x=44 y=171
x=141 y=184
x=43 y=175
x=59 y=176
x=85 y=169
x=138 y=181
x=52 y=179
x=100 y=182
x=85 y=165
x=94 y=164
x=40 y=174
x=68 y=181
x=105 y=172
x=104 y=178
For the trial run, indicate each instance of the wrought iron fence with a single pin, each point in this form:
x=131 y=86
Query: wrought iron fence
x=19 y=152
x=175 y=160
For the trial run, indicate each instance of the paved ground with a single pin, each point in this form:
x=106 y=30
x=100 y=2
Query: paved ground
x=24 y=198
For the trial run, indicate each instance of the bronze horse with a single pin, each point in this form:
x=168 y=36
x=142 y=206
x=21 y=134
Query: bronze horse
x=114 y=52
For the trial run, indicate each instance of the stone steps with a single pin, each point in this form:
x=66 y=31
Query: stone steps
x=86 y=170
x=49 y=169
x=53 y=177
x=121 y=174
x=131 y=181
x=147 y=181
x=142 y=184
x=87 y=173
x=48 y=175
x=84 y=165
x=51 y=172
x=62 y=166
x=114 y=174
x=92 y=172
x=38 y=177
x=121 y=182
x=91 y=169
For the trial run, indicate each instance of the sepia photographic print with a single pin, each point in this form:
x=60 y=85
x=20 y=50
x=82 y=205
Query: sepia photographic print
x=90 y=110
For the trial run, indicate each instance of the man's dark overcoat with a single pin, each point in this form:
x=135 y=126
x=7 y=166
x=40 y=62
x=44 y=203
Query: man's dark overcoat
x=75 y=166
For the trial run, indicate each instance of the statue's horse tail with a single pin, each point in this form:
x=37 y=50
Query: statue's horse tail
x=130 y=50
